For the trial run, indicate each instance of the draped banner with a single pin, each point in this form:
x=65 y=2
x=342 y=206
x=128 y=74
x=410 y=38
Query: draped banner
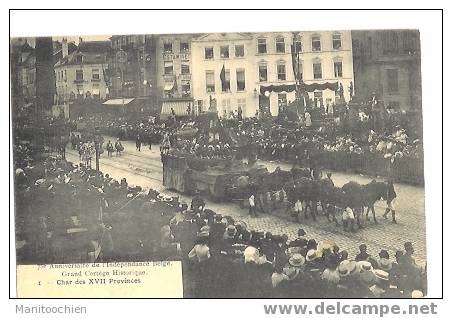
x=304 y=87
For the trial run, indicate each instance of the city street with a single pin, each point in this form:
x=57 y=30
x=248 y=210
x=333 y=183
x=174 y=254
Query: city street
x=145 y=169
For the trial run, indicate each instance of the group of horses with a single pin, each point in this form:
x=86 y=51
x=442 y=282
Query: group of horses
x=299 y=185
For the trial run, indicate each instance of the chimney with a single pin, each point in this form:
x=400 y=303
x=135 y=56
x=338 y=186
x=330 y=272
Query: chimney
x=64 y=47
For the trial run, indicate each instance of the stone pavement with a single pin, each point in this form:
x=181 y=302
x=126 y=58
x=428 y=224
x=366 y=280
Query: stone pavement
x=145 y=169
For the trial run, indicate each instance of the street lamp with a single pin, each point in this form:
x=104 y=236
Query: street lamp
x=97 y=146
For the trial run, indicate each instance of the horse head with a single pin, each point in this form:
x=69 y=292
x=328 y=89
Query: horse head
x=376 y=190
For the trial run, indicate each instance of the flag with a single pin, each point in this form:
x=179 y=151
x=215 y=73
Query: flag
x=223 y=77
x=294 y=61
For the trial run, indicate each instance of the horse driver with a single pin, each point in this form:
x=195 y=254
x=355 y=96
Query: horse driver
x=348 y=219
x=390 y=201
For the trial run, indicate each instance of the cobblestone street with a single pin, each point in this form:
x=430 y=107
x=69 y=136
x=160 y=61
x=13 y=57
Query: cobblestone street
x=144 y=168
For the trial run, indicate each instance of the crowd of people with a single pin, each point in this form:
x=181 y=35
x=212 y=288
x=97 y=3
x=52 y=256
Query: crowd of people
x=268 y=139
x=71 y=213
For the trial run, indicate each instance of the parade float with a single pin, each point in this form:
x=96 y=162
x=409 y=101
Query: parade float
x=189 y=172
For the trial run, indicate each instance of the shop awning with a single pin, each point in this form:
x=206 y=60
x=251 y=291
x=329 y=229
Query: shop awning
x=118 y=101
x=179 y=106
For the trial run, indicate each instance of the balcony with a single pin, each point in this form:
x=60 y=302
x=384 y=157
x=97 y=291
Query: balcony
x=79 y=81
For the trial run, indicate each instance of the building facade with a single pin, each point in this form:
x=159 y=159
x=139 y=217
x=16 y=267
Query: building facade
x=33 y=83
x=252 y=60
x=388 y=62
x=81 y=74
x=132 y=68
x=227 y=56
x=26 y=78
x=174 y=72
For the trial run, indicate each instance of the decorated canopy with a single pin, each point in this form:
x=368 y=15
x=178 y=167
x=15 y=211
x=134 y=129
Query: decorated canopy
x=304 y=87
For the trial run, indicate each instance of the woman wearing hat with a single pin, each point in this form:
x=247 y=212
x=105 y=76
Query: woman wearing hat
x=350 y=285
x=382 y=287
x=366 y=273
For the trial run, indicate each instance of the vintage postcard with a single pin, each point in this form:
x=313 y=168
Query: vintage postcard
x=219 y=165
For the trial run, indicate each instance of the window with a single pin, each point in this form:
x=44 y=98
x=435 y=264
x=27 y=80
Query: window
x=261 y=46
x=281 y=70
x=369 y=46
x=282 y=101
x=168 y=47
x=208 y=53
x=226 y=105
x=79 y=75
x=185 y=67
x=241 y=103
x=318 y=99
x=185 y=86
x=96 y=91
x=239 y=51
x=240 y=79
x=390 y=42
x=184 y=47
x=337 y=69
x=96 y=75
x=79 y=59
x=168 y=67
x=280 y=45
x=298 y=45
x=337 y=42
x=224 y=52
x=317 y=70
x=210 y=81
x=80 y=89
x=316 y=44
x=65 y=77
x=263 y=73
x=226 y=85
x=409 y=40
x=392 y=80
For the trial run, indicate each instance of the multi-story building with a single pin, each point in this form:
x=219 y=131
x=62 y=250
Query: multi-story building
x=388 y=62
x=252 y=60
x=132 y=69
x=324 y=57
x=80 y=74
x=32 y=80
x=26 y=74
x=223 y=73
x=174 y=72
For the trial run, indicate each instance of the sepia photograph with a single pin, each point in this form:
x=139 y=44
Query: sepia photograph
x=286 y=164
